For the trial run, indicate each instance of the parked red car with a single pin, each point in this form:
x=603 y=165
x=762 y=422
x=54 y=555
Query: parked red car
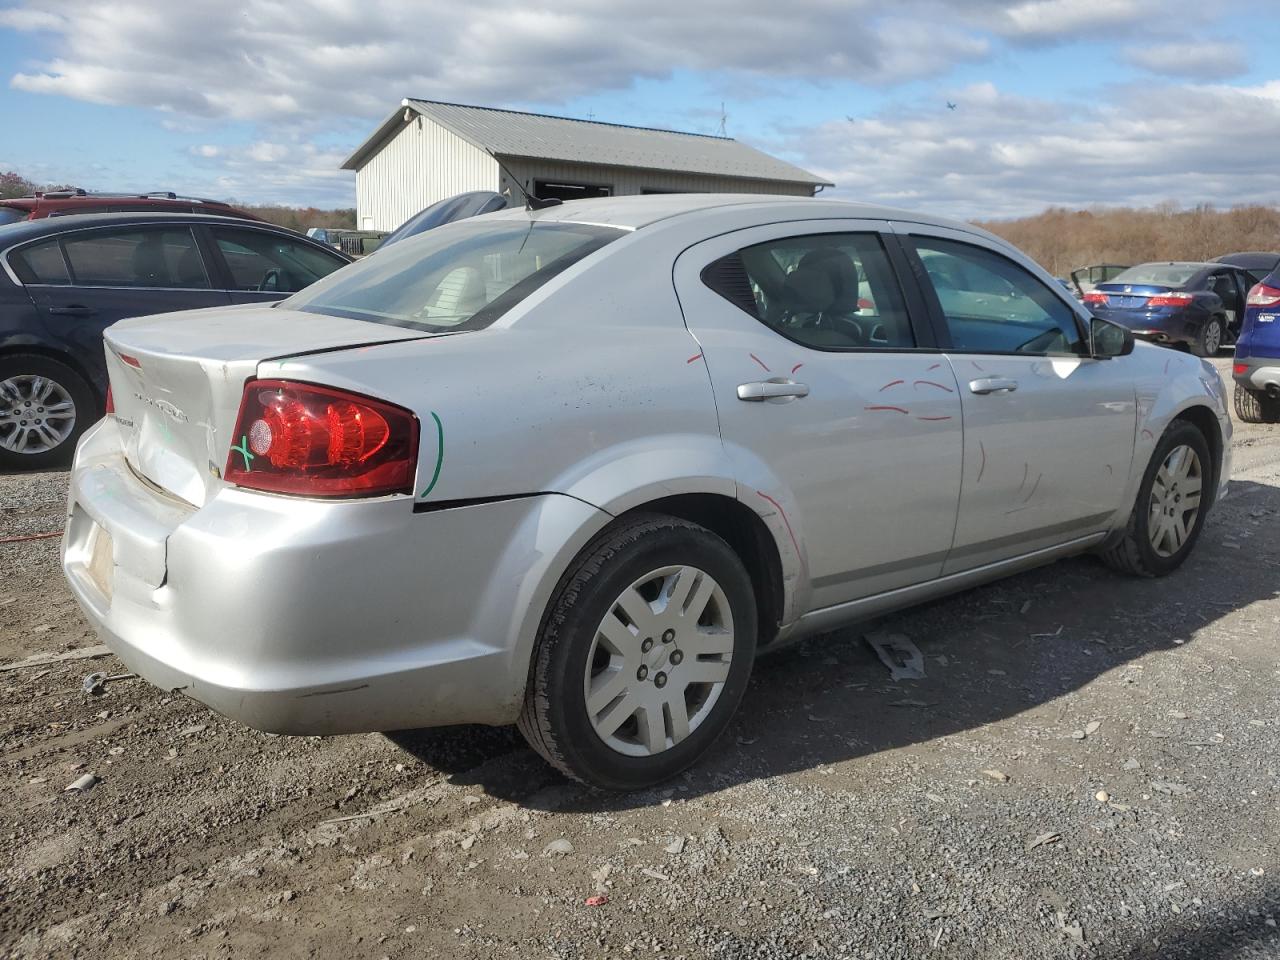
x=62 y=202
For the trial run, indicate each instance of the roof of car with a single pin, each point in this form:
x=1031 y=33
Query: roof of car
x=636 y=212
x=28 y=229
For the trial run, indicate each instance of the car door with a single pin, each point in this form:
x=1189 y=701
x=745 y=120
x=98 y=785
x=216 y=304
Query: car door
x=85 y=280
x=1048 y=431
x=832 y=405
x=263 y=265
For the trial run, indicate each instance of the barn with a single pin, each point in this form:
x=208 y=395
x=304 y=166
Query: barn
x=427 y=151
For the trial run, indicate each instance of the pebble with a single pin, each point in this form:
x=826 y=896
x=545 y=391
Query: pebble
x=1092 y=727
x=1078 y=734
x=1102 y=796
x=998 y=775
x=558 y=848
x=675 y=846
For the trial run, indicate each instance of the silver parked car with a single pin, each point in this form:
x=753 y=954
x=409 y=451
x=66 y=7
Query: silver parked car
x=574 y=467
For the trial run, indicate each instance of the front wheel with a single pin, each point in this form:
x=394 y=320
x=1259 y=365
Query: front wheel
x=44 y=407
x=1209 y=341
x=1254 y=406
x=644 y=655
x=1170 y=510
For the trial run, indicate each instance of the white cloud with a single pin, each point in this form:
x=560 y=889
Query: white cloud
x=1197 y=59
x=1002 y=155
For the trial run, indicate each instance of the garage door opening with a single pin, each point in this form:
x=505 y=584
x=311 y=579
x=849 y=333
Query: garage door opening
x=559 y=190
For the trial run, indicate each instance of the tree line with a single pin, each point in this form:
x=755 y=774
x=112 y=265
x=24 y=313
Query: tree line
x=1061 y=240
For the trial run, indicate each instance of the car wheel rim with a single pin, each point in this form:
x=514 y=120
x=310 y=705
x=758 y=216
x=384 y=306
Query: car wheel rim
x=1175 y=501
x=1212 y=338
x=36 y=414
x=659 y=661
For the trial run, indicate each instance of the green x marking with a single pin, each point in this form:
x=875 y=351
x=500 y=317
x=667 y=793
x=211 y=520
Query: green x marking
x=243 y=450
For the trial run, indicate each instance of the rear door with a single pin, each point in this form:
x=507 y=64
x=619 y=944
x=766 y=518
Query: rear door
x=832 y=404
x=259 y=266
x=1048 y=431
x=86 y=280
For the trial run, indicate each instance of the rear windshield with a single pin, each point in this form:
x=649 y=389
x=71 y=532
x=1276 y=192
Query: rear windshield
x=463 y=276
x=12 y=215
x=1158 y=274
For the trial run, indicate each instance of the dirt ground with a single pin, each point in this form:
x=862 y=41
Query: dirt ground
x=844 y=815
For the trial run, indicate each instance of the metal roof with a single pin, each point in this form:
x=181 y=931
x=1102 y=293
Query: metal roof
x=511 y=133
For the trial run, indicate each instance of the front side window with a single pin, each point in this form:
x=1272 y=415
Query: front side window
x=828 y=291
x=266 y=262
x=992 y=305
x=165 y=258
x=42 y=263
x=461 y=276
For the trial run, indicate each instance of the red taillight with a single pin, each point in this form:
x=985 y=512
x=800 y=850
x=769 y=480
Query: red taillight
x=1095 y=297
x=1170 y=300
x=1240 y=369
x=317 y=442
x=1263 y=296
x=111 y=404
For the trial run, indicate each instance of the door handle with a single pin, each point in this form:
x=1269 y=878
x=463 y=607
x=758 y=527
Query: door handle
x=74 y=310
x=987 y=385
x=772 y=390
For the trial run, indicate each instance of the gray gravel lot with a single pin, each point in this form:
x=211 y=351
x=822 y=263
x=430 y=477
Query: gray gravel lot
x=1088 y=769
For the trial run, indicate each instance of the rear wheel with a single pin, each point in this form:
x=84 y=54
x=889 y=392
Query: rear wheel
x=44 y=407
x=1254 y=406
x=1209 y=341
x=1170 y=510
x=644 y=655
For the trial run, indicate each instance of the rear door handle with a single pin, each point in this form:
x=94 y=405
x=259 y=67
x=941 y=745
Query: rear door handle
x=75 y=310
x=772 y=390
x=987 y=385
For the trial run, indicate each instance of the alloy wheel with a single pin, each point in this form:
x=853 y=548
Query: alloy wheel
x=1212 y=338
x=659 y=660
x=1175 y=501
x=37 y=414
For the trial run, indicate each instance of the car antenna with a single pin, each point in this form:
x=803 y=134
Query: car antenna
x=530 y=201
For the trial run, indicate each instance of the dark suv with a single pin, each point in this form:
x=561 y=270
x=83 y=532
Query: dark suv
x=65 y=202
x=63 y=280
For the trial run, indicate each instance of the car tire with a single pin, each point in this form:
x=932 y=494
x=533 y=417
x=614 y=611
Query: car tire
x=1254 y=406
x=1143 y=550
x=1209 y=340
x=27 y=380
x=588 y=650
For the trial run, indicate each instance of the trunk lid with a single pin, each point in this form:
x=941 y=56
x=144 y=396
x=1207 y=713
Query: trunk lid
x=1129 y=296
x=177 y=381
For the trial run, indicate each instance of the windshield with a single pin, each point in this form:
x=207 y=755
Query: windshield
x=1158 y=274
x=12 y=215
x=460 y=277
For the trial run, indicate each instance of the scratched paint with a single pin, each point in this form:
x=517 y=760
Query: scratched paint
x=891 y=383
x=935 y=366
x=982 y=448
x=932 y=383
x=759 y=361
x=787 y=523
x=696 y=356
x=886 y=407
x=796 y=367
x=1148 y=434
x=439 y=454
x=1034 y=488
x=933 y=418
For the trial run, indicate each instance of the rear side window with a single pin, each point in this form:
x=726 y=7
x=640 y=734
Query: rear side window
x=461 y=276
x=270 y=263
x=161 y=258
x=992 y=305
x=42 y=263
x=828 y=291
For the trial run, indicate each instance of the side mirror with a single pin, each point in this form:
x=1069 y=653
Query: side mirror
x=1107 y=339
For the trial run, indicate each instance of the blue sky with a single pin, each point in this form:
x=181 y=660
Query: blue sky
x=1059 y=102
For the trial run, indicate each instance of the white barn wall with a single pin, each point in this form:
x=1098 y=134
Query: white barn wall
x=629 y=180
x=419 y=165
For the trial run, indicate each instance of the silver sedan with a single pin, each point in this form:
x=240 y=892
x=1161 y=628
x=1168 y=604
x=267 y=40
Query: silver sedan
x=574 y=467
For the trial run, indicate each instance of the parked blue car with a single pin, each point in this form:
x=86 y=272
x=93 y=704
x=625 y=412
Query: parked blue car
x=1256 y=369
x=1199 y=305
x=63 y=280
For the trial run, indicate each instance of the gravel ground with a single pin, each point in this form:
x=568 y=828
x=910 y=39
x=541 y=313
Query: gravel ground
x=1089 y=769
